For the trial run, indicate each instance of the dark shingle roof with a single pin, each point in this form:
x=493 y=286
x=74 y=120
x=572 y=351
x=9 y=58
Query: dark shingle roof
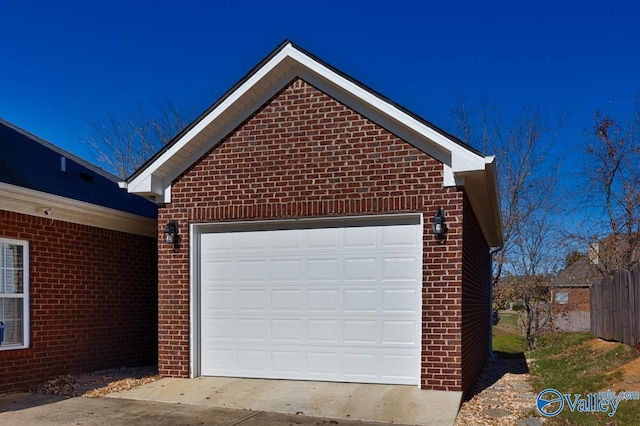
x=580 y=274
x=30 y=162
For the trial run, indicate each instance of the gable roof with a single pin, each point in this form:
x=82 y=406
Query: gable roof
x=463 y=165
x=582 y=273
x=36 y=175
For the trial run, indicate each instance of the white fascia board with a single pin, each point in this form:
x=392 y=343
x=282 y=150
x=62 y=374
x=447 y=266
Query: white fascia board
x=148 y=185
x=223 y=131
x=461 y=159
x=41 y=204
x=455 y=157
x=144 y=181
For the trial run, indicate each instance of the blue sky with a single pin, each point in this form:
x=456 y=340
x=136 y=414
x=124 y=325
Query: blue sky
x=63 y=61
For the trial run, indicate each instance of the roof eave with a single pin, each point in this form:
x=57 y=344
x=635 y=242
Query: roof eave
x=41 y=204
x=284 y=64
x=463 y=165
x=481 y=187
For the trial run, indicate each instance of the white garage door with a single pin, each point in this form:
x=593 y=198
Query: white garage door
x=328 y=303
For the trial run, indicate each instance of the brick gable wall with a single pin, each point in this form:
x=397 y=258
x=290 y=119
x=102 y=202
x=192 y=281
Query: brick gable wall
x=93 y=300
x=476 y=298
x=306 y=155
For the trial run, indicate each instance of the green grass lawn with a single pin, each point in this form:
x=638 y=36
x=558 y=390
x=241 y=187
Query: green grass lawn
x=509 y=321
x=508 y=340
x=572 y=363
x=575 y=363
x=508 y=345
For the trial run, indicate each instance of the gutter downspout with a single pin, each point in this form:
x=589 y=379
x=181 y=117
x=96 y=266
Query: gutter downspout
x=491 y=253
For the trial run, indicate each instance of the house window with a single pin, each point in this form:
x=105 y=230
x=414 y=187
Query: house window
x=562 y=298
x=14 y=294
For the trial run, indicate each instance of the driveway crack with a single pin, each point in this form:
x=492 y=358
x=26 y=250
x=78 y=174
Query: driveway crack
x=247 y=418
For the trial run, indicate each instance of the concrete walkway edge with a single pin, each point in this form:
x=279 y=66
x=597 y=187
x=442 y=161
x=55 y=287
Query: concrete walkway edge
x=366 y=402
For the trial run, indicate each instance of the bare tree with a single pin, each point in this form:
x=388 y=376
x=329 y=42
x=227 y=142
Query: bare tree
x=530 y=296
x=612 y=186
x=528 y=197
x=122 y=143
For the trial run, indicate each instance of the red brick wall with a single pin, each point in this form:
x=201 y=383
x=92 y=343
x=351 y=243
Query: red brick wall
x=93 y=300
x=476 y=304
x=306 y=155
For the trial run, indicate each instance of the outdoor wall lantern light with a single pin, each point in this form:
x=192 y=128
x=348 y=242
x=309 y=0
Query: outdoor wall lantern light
x=439 y=225
x=171 y=233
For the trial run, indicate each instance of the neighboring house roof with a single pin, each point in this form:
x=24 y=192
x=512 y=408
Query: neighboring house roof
x=41 y=179
x=463 y=165
x=581 y=273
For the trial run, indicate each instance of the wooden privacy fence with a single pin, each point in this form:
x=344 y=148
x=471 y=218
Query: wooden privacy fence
x=615 y=307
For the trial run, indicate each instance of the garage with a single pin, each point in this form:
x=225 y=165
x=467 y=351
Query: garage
x=297 y=241
x=331 y=300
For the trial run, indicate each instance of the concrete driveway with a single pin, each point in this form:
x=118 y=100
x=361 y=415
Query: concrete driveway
x=231 y=401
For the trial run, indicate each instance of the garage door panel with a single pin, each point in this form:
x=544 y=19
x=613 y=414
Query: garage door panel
x=286 y=301
x=361 y=332
x=218 y=243
x=252 y=330
x=399 y=332
x=288 y=240
x=251 y=300
x=360 y=366
x=360 y=300
x=399 y=269
x=218 y=329
x=249 y=241
x=219 y=360
x=322 y=300
x=360 y=270
x=323 y=331
x=400 y=300
x=361 y=237
x=251 y=271
x=399 y=366
x=336 y=304
x=286 y=270
x=218 y=301
x=322 y=239
x=252 y=361
x=218 y=271
x=400 y=237
x=322 y=270
x=287 y=363
x=287 y=331
x=323 y=364
x=314 y=363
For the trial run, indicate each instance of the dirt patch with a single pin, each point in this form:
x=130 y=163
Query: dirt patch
x=599 y=346
x=98 y=383
x=630 y=380
x=594 y=347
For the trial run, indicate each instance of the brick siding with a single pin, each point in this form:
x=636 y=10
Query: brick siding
x=93 y=300
x=476 y=305
x=306 y=155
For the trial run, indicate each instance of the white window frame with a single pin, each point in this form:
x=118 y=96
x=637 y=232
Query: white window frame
x=24 y=296
x=562 y=298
